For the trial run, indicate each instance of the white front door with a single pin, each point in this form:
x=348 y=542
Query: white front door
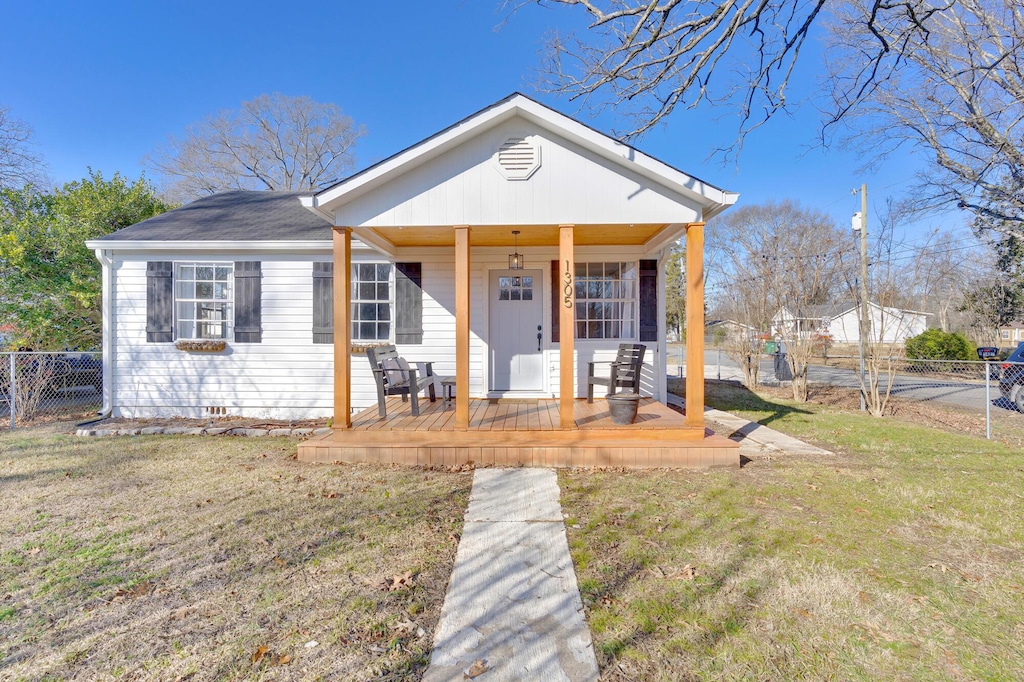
x=516 y=362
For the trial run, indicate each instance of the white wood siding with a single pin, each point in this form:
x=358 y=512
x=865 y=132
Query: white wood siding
x=287 y=376
x=466 y=187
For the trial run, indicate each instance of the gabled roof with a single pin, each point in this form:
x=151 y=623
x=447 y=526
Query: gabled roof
x=830 y=311
x=712 y=199
x=236 y=215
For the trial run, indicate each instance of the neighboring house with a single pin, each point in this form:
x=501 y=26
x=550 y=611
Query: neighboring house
x=730 y=329
x=839 y=322
x=227 y=305
x=1011 y=334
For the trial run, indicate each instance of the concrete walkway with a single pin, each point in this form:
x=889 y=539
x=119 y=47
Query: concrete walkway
x=751 y=434
x=513 y=608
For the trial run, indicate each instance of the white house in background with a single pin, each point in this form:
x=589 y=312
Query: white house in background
x=1011 y=334
x=839 y=322
x=225 y=306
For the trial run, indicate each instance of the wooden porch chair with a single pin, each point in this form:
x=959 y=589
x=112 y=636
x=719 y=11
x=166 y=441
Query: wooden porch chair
x=624 y=372
x=394 y=376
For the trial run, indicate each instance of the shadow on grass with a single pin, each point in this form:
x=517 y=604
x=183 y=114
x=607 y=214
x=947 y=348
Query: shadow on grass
x=732 y=396
x=735 y=600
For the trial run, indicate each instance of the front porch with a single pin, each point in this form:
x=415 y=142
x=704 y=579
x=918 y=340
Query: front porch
x=522 y=433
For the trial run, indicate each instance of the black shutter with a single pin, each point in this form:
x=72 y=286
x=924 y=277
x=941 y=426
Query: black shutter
x=323 y=302
x=556 y=300
x=408 y=303
x=648 y=300
x=248 y=308
x=159 y=301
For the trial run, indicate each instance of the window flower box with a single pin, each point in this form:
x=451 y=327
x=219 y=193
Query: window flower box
x=201 y=346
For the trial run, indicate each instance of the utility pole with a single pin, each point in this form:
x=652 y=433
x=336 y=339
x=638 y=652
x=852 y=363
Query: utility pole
x=865 y=322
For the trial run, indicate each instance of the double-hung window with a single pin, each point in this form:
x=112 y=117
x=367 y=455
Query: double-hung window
x=606 y=300
x=371 y=301
x=203 y=298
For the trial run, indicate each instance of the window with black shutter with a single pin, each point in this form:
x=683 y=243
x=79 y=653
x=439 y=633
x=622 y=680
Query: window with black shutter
x=408 y=303
x=323 y=302
x=159 y=301
x=248 y=302
x=648 y=300
x=373 y=308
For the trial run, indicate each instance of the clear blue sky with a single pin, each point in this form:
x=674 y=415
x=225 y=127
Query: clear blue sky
x=103 y=83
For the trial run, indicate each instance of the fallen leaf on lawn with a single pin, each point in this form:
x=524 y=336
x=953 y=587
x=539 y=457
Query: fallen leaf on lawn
x=34 y=551
x=478 y=668
x=874 y=631
x=136 y=590
x=969 y=577
x=283 y=660
x=941 y=567
x=687 y=572
x=258 y=655
x=279 y=561
x=404 y=627
x=399 y=582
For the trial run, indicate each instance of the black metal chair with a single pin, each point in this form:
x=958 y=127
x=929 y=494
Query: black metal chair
x=624 y=372
x=394 y=376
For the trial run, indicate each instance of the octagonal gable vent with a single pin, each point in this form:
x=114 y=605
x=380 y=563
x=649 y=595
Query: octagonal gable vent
x=517 y=158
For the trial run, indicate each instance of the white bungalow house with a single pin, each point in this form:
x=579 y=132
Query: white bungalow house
x=259 y=303
x=839 y=322
x=1011 y=334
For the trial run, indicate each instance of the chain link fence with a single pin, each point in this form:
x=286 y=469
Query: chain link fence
x=993 y=389
x=40 y=387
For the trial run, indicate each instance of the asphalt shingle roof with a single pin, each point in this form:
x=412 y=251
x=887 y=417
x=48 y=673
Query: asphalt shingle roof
x=236 y=215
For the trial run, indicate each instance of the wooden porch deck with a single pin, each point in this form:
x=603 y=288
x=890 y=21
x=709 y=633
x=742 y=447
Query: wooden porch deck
x=522 y=433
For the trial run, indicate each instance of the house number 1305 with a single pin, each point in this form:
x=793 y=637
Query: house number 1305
x=567 y=289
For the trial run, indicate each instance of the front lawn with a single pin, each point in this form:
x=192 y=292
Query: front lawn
x=168 y=557
x=899 y=558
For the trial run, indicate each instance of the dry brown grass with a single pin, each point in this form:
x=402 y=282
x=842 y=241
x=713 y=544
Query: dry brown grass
x=165 y=558
x=897 y=559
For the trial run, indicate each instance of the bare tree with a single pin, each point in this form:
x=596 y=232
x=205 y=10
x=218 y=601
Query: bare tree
x=943 y=76
x=20 y=164
x=655 y=55
x=273 y=142
x=783 y=257
x=955 y=92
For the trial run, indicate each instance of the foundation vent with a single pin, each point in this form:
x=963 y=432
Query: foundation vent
x=517 y=158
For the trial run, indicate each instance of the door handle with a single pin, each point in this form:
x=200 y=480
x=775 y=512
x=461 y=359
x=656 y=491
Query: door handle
x=540 y=336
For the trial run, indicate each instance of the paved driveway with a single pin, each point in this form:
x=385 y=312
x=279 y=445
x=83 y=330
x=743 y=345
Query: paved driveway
x=966 y=393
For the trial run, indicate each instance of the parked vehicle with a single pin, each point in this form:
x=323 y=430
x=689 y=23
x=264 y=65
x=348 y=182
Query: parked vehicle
x=1011 y=382
x=52 y=374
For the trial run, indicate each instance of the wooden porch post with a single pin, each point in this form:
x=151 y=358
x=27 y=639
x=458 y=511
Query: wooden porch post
x=695 y=325
x=462 y=275
x=566 y=298
x=342 y=327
